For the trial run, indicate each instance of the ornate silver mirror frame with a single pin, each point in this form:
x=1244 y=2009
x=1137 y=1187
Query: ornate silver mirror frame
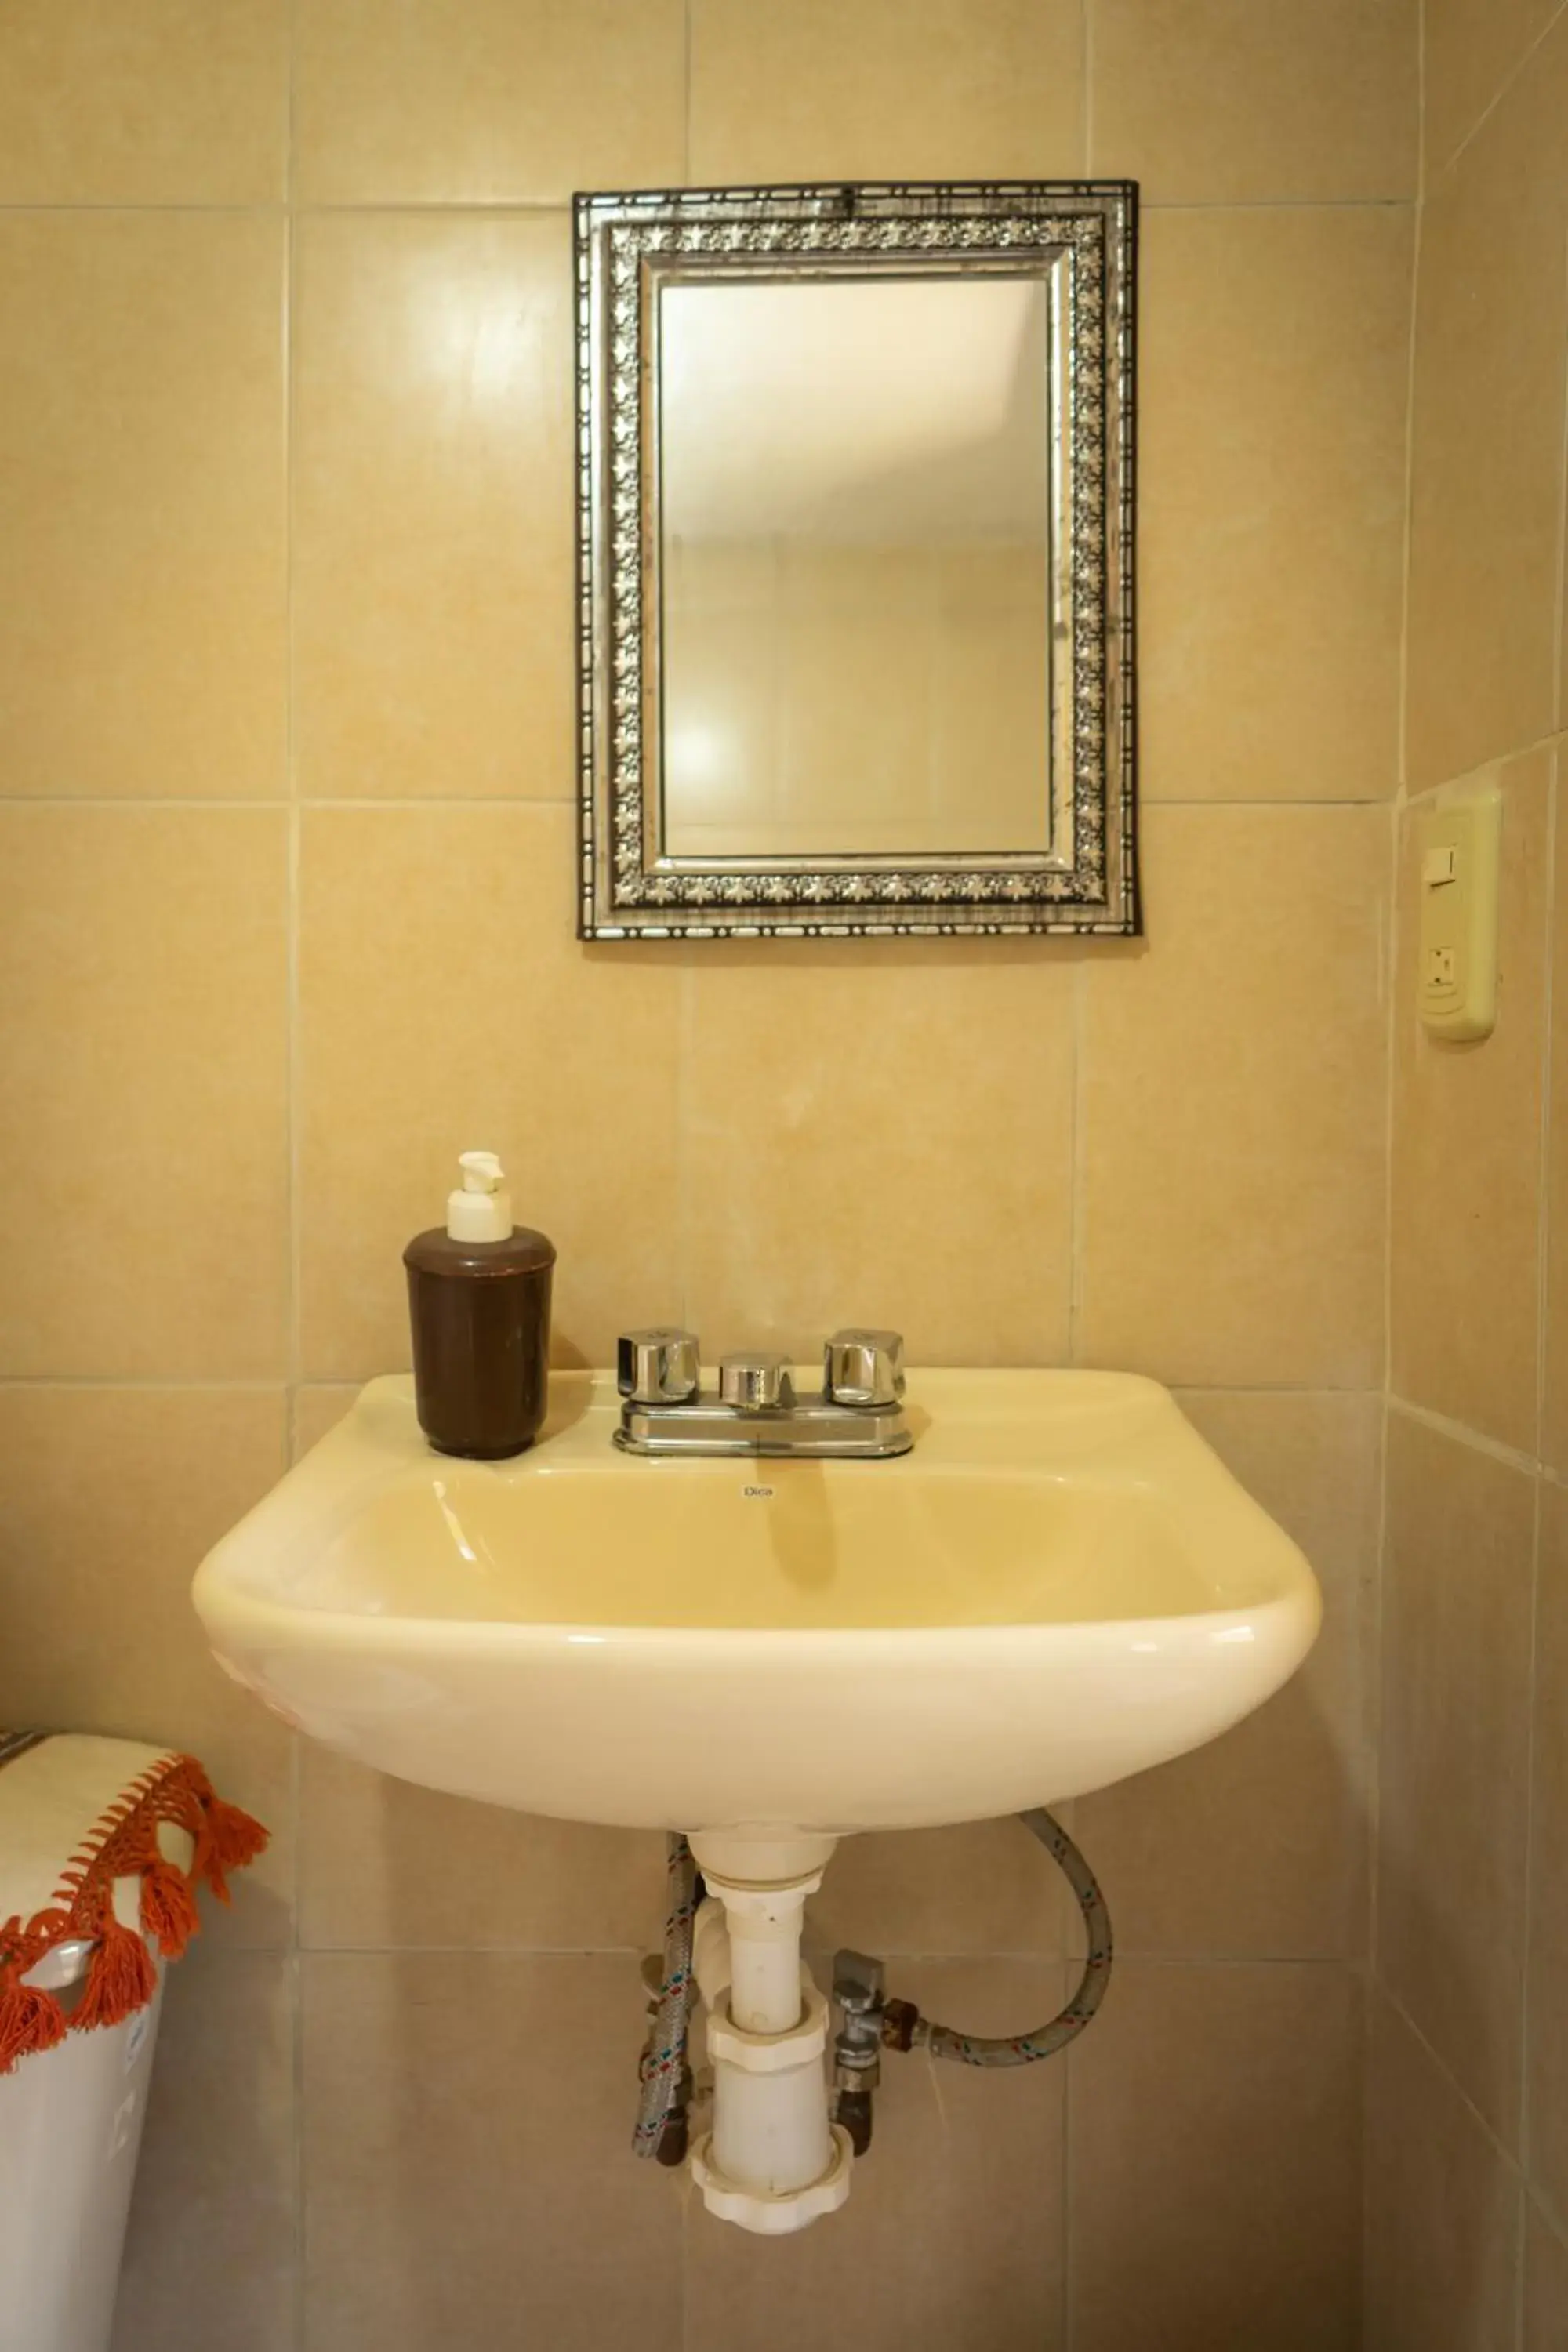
x=1079 y=238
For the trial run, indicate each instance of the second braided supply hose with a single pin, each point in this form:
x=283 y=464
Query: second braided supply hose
x=664 y=2058
x=903 y=2027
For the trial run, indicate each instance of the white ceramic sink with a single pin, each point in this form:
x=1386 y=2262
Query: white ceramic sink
x=1060 y=1585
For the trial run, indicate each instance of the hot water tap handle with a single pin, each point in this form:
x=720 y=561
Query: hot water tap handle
x=658 y=1366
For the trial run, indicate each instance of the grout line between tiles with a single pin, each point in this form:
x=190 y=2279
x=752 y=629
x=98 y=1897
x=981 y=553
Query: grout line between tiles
x=1313 y=802
x=296 y=1970
x=1065 y=2213
x=1536 y=1696
x=383 y=206
x=203 y=210
x=395 y=207
x=688 y=2209
x=223 y=801
x=295 y=831
x=430 y=208
x=1179 y=1388
x=1030 y=1956
x=685 y=1188
x=1560 y=651
x=1391 y=1051
x=1541 y=2205
x=1078 y=1145
x=1277 y=205
x=296 y=1776
x=401 y=1951
x=1462 y=1435
x=1087 y=16
x=168 y=1383
x=1402 y=733
x=1526 y=1900
x=173 y=1383
x=1554 y=741
x=1147 y=203
x=1076 y=1156
x=1511 y=2162
x=1514 y=74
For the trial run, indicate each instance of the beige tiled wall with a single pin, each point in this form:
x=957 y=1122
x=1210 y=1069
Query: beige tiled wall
x=285 y=785
x=1467 y=2211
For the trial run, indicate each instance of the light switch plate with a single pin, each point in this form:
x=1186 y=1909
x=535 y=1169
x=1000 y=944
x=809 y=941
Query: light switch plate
x=1459 y=839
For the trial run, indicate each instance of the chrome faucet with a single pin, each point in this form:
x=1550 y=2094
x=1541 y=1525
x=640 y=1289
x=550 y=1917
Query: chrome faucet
x=858 y=1414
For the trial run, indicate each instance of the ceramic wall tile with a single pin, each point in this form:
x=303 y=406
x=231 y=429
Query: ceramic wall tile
x=1442 y=2207
x=881 y=1133
x=166 y=103
x=1273 y=384
x=113 y=1497
x=444 y=1005
x=1215 y=2109
x=1546 y=2055
x=142 y=518
x=1232 y=1139
x=1221 y=102
x=211 y=2252
x=890 y=88
x=466 y=2121
x=1486 y=519
x=433 y=456
x=1472 y=49
x=486 y=101
x=1455 y=1748
x=144 y=1065
x=1257 y=1845
x=386 y=1866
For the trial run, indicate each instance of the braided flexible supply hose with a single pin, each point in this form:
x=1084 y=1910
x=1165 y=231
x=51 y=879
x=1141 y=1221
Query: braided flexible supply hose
x=906 y=2030
x=664 y=2058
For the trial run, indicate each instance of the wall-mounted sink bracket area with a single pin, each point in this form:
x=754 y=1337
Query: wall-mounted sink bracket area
x=1059 y=1586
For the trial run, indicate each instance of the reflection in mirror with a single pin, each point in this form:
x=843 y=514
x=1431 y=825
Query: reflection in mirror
x=855 y=520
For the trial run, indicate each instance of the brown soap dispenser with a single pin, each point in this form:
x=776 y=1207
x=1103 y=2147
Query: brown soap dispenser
x=478 y=1301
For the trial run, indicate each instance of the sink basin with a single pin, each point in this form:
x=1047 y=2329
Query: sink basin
x=1059 y=1586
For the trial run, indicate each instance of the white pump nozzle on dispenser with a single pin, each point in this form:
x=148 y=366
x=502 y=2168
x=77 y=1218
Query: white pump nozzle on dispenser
x=480 y=1210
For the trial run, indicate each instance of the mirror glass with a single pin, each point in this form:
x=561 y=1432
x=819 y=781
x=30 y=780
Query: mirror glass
x=854 y=518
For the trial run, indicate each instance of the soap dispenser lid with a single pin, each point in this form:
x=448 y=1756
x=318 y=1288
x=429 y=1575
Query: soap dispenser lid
x=480 y=1209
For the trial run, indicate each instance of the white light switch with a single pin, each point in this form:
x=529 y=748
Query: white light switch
x=1460 y=840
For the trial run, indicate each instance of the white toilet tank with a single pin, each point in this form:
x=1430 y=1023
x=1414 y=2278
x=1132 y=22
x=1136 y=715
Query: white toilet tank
x=70 y=2126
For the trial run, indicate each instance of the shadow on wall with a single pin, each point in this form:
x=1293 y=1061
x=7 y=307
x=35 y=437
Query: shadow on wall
x=1213 y=2104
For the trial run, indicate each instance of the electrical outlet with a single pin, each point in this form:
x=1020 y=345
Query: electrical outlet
x=1459 y=844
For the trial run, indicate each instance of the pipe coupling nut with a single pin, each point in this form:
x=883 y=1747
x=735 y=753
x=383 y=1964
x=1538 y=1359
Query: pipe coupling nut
x=899 y=2020
x=770 y=2053
x=855 y=2068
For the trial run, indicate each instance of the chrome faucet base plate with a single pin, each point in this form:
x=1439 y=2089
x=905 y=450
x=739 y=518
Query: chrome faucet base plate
x=809 y=1429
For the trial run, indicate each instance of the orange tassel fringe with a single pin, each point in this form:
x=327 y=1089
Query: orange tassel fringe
x=120 y=1978
x=168 y=1907
x=30 y=2019
x=121 y=1975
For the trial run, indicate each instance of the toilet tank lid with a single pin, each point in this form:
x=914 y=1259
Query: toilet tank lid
x=101 y=1842
x=66 y=1965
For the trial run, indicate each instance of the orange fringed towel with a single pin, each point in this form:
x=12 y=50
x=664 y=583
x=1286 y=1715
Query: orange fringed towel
x=79 y=1818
